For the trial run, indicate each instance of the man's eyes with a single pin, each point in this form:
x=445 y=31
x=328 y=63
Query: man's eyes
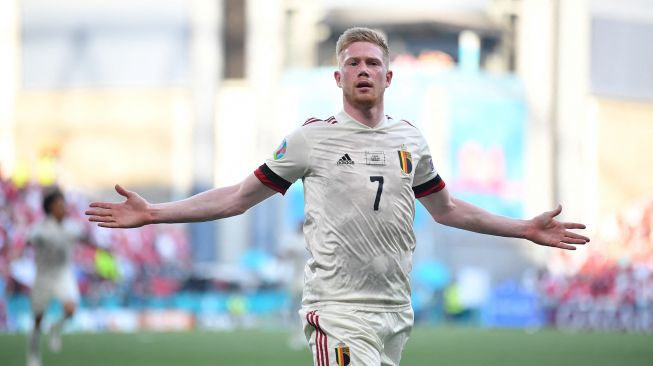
x=371 y=62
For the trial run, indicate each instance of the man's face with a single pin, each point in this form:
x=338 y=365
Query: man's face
x=58 y=208
x=363 y=76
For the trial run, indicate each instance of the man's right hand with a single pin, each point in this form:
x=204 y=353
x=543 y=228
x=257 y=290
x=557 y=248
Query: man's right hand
x=133 y=212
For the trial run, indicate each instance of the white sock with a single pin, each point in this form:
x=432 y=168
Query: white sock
x=58 y=325
x=33 y=345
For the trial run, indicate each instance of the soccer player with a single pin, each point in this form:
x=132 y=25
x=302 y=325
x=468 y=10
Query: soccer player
x=53 y=240
x=362 y=171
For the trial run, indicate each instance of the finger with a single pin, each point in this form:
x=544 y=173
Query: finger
x=101 y=219
x=99 y=214
x=574 y=241
x=102 y=205
x=556 y=211
x=562 y=245
x=573 y=225
x=123 y=192
x=111 y=225
x=576 y=236
x=98 y=211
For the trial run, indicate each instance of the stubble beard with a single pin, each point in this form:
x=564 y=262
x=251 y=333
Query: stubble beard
x=362 y=101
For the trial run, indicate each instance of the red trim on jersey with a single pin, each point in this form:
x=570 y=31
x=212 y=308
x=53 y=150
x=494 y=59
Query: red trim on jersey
x=403 y=120
x=271 y=180
x=311 y=120
x=331 y=120
x=434 y=185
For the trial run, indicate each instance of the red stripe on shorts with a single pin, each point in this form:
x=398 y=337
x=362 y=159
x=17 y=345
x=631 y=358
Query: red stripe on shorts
x=321 y=348
x=324 y=339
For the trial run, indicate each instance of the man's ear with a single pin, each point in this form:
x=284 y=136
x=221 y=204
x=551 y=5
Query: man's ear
x=336 y=75
x=388 y=78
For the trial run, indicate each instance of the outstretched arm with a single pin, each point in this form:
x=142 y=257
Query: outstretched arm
x=213 y=204
x=543 y=229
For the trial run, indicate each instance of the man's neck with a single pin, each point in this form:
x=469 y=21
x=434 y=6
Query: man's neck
x=56 y=219
x=370 y=117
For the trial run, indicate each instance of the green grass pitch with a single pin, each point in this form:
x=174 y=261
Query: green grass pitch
x=440 y=346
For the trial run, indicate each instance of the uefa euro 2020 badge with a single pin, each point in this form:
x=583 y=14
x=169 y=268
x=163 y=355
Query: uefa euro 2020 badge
x=281 y=150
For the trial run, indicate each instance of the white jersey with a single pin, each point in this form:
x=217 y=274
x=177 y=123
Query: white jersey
x=54 y=243
x=360 y=185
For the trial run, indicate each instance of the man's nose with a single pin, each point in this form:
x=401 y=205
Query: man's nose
x=363 y=71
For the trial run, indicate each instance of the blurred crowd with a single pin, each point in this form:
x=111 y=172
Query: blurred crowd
x=131 y=264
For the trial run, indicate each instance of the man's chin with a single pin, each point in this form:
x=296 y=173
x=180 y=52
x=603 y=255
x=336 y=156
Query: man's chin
x=364 y=101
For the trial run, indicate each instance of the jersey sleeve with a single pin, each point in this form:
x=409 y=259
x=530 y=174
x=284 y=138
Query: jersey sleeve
x=288 y=163
x=426 y=180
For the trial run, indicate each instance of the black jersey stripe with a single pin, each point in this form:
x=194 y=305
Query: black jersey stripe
x=434 y=185
x=271 y=179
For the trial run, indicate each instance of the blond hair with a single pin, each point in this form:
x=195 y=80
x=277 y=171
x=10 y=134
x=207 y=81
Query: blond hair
x=361 y=34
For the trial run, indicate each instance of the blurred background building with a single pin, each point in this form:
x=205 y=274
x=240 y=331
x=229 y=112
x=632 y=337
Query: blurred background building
x=525 y=103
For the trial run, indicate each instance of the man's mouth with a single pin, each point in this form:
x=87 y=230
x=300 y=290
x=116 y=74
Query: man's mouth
x=363 y=84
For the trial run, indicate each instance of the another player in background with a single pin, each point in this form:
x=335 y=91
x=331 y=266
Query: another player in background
x=293 y=255
x=53 y=240
x=362 y=172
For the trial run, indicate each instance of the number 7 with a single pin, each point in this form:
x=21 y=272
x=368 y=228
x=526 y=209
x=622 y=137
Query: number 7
x=377 y=178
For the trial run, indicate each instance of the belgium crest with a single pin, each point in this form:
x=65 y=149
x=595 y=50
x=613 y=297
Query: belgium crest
x=405 y=161
x=342 y=354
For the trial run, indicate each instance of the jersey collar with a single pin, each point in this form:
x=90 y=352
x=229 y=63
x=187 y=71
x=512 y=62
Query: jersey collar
x=344 y=117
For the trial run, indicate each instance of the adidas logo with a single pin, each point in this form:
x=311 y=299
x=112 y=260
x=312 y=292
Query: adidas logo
x=345 y=160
